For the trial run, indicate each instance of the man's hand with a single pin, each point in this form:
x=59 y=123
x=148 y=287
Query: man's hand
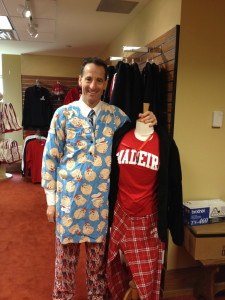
x=148 y=117
x=51 y=213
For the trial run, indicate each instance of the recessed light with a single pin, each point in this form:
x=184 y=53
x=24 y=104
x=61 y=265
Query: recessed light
x=5 y=23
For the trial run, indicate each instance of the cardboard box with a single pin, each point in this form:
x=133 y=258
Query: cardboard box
x=205 y=241
x=204 y=212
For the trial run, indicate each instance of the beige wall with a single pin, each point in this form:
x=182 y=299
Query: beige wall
x=40 y=65
x=155 y=19
x=11 y=73
x=200 y=91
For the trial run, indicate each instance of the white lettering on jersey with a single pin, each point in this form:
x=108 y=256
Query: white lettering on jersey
x=119 y=156
x=155 y=162
x=132 y=160
x=148 y=160
x=140 y=158
x=125 y=157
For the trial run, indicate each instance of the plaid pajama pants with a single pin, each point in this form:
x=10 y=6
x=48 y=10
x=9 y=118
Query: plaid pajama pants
x=66 y=262
x=137 y=238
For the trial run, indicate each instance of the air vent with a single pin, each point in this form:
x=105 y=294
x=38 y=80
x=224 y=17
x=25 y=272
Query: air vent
x=116 y=6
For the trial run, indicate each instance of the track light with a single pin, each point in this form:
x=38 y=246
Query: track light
x=25 y=11
x=32 y=30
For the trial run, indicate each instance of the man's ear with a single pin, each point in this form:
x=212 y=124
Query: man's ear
x=80 y=81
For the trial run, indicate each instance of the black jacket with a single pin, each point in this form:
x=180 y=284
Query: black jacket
x=126 y=93
x=37 y=110
x=170 y=203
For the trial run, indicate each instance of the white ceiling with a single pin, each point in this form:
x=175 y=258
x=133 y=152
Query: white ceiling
x=72 y=28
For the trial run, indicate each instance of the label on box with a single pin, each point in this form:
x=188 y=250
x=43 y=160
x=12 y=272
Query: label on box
x=216 y=212
x=199 y=216
x=204 y=212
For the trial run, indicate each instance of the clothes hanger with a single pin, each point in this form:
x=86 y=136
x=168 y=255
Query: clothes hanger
x=38 y=83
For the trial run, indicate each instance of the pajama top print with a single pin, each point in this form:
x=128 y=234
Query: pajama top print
x=77 y=163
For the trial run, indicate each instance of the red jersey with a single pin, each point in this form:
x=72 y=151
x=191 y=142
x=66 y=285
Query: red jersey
x=138 y=163
x=34 y=153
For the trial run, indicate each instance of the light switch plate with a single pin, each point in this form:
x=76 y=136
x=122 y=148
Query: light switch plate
x=217 y=120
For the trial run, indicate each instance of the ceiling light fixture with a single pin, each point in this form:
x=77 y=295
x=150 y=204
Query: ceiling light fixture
x=24 y=11
x=112 y=58
x=7 y=35
x=5 y=23
x=135 y=49
x=32 y=28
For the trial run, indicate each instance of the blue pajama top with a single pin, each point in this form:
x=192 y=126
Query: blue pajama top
x=77 y=163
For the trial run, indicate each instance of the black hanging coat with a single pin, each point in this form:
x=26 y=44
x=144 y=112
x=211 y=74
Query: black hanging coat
x=127 y=90
x=37 y=110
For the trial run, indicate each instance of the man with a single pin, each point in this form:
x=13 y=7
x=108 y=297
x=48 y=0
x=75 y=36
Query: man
x=75 y=175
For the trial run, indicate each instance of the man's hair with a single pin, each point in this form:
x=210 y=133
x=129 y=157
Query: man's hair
x=94 y=60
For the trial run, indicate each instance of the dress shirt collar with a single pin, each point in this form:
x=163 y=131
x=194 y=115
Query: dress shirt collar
x=85 y=109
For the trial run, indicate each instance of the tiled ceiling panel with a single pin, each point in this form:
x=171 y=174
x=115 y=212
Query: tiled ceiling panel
x=67 y=27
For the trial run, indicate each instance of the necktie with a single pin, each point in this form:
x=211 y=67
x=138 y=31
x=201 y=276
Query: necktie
x=90 y=117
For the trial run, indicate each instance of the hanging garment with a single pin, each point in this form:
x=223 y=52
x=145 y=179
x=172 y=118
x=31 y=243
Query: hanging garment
x=151 y=89
x=72 y=95
x=126 y=92
x=136 y=101
x=112 y=86
x=37 y=110
x=34 y=153
x=28 y=139
x=8 y=119
x=107 y=93
x=57 y=89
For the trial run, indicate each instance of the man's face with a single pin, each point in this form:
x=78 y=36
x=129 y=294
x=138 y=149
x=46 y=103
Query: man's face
x=93 y=84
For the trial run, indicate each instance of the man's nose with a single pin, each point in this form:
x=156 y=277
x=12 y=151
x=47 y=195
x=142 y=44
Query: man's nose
x=93 y=84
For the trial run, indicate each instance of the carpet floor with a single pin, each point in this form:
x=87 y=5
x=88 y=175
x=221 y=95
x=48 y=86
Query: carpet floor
x=27 y=245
